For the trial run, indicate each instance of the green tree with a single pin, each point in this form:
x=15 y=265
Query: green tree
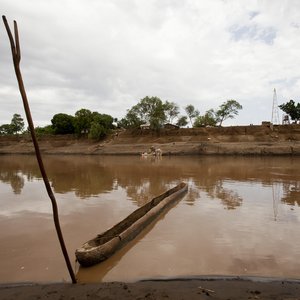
x=171 y=111
x=208 y=119
x=292 y=109
x=149 y=110
x=191 y=112
x=227 y=110
x=100 y=126
x=103 y=119
x=97 y=131
x=131 y=120
x=63 y=123
x=17 y=124
x=48 y=129
x=182 y=121
x=82 y=121
x=5 y=129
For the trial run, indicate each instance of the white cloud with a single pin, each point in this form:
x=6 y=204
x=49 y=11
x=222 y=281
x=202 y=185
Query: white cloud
x=107 y=55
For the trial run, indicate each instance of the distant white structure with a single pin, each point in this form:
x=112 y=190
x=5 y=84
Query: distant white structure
x=275 y=112
x=145 y=126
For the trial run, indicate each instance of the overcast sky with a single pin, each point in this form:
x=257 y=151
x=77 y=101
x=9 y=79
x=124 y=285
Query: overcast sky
x=106 y=55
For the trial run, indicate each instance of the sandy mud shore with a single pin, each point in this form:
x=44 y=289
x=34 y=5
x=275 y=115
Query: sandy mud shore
x=238 y=140
x=189 y=289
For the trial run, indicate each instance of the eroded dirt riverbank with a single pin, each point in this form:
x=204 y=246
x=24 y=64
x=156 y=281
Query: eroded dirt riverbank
x=237 y=140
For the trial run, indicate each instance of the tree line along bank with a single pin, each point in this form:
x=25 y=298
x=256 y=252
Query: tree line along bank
x=149 y=110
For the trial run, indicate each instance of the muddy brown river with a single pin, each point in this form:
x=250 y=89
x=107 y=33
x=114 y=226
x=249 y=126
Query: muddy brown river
x=241 y=216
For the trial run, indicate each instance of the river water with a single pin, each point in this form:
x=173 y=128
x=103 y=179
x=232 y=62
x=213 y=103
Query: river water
x=241 y=216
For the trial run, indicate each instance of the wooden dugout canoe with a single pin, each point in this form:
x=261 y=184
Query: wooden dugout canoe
x=105 y=244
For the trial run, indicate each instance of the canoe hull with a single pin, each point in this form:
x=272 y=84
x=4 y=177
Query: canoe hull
x=92 y=252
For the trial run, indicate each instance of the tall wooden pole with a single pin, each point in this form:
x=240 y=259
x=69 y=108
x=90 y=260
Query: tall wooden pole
x=16 y=55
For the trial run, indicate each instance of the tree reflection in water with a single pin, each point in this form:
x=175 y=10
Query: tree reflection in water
x=14 y=178
x=143 y=179
x=291 y=192
x=101 y=191
x=229 y=198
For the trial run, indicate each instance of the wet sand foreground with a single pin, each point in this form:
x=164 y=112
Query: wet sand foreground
x=201 y=288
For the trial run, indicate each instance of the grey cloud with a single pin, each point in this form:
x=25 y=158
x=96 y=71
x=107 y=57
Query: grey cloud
x=253 y=14
x=253 y=32
x=107 y=55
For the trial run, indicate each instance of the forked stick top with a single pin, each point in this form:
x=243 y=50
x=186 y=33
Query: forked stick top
x=15 y=44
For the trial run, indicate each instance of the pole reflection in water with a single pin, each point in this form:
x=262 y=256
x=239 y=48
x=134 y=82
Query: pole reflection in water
x=276 y=196
x=224 y=225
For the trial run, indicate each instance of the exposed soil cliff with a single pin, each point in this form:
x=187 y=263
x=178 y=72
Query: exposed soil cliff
x=243 y=140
